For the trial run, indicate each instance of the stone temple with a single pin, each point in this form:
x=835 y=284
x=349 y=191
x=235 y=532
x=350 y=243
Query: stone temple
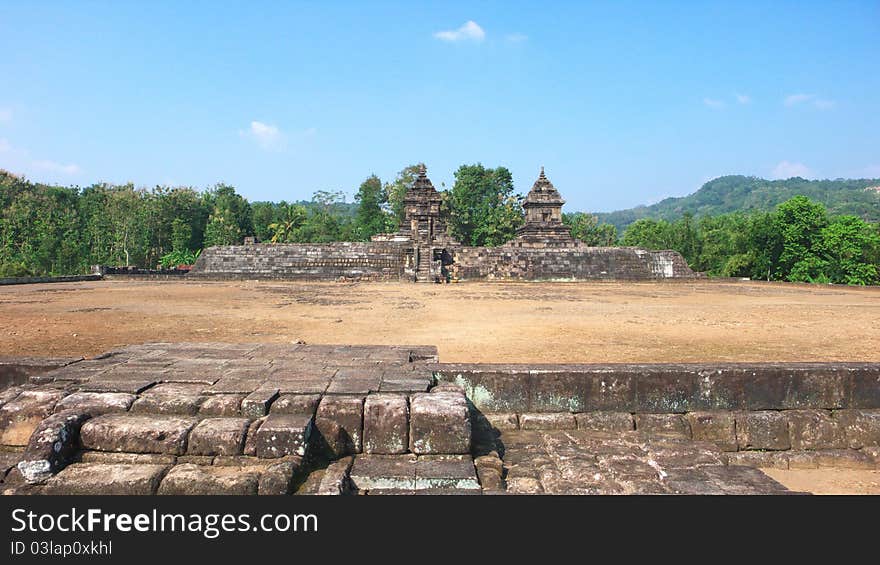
x=423 y=251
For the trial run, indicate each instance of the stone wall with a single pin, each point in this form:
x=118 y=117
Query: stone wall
x=328 y=261
x=523 y=263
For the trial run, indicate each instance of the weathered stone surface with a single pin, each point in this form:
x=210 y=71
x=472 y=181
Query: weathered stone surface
x=188 y=479
x=861 y=427
x=340 y=423
x=355 y=381
x=490 y=470
x=125 y=458
x=104 y=478
x=602 y=421
x=762 y=430
x=717 y=427
x=801 y=459
x=283 y=434
x=278 y=479
x=218 y=436
x=524 y=485
x=814 y=429
x=446 y=472
x=170 y=398
x=371 y=472
x=51 y=446
x=296 y=404
x=137 y=433
x=662 y=424
x=196 y=459
x=132 y=384
x=19 y=417
x=96 y=403
x=844 y=459
x=761 y=459
x=873 y=452
x=335 y=480
x=221 y=405
x=256 y=404
x=250 y=442
x=386 y=424
x=503 y=421
x=547 y=421
x=439 y=424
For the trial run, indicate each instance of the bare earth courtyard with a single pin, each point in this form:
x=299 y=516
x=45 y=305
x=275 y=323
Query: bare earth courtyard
x=689 y=321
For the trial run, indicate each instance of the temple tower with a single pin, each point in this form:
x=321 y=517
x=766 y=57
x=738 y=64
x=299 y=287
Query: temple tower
x=543 y=223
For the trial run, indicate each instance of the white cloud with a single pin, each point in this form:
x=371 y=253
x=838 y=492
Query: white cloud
x=470 y=30
x=743 y=98
x=53 y=167
x=786 y=170
x=5 y=114
x=812 y=99
x=267 y=136
x=713 y=103
x=516 y=37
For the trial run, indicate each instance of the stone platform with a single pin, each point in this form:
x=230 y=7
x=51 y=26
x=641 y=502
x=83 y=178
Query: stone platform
x=209 y=418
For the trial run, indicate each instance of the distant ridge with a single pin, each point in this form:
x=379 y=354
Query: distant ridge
x=734 y=193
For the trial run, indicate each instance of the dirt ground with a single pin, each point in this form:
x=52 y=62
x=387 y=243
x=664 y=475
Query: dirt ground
x=470 y=322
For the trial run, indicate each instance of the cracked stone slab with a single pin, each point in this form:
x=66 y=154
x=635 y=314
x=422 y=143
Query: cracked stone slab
x=170 y=398
x=96 y=403
x=218 y=436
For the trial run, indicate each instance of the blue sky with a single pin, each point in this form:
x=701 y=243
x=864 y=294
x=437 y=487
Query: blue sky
x=624 y=103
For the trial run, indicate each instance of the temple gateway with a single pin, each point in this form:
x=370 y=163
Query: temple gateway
x=423 y=251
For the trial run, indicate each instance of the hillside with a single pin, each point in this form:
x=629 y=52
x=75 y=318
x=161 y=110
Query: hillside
x=740 y=193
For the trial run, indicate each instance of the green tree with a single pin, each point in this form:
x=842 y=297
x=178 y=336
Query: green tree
x=396 y=192
x=371 y=218
x=586 y=227
x=474 y=202
x=847 y=246
x=799 y=222
x=286 y=229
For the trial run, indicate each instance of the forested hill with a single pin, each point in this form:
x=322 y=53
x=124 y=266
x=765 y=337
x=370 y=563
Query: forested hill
x=737 y=193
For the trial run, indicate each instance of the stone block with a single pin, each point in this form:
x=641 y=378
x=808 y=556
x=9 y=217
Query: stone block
x=814 y=429
x=439 y=424
x=370 y=472
x=802 y=459
x=51 y=446
x=760 y=459
x=386 y=424
x=125 y=458
x=865 y=388
x=20 y=417
x=250 y=442
x=256 y=404
x=106 y=479
x=137 y=433
x=196 y=459
x=188 y=479
x=218 y=436
x=844 y=459
x=278 y=479
x=860 y=427
x=666 y=391
x=490 y=471
x=716 y=427
x=355 y=382
x=873 y=452
x=762 y=430
x=296 y=404
x=335 y=480
x=662 y=425
x=446 y=472
x=283 y=434
x=129 y=385
x=221 y=405
x=605 y=421
x=503 y=421
x=524 y=485
x=340 y=423
x=96 y=403
x=170 y=398
x=547 y=421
